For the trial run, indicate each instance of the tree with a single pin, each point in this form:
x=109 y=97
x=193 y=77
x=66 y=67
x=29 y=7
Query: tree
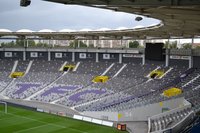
x=173 y=45
x=2 y=44
x=166 y=45
x=20 y=42
x=134 y=44
x=82 y=44
x=170 y=45
x=197 y=47
x=187 y=46
x=8 y=44
x=91 y=46
x=72 y=44
x=41 y=44
x=77 y=43
x=31 y=43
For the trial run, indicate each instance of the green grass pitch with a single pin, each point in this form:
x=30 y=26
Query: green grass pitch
x=19 y=120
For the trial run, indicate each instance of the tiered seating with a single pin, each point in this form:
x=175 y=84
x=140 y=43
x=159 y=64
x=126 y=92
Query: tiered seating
x=22 y=90
x=5 y=70
x=78 y=80
x=84 y=95
x=165 y=122
x=130 y=89
x=115 y=68
x=103 y=102
x=136 y=91
x=55 y=92
x=40 y=75
x=22 y=66
x=92 y=68
x=191 y=88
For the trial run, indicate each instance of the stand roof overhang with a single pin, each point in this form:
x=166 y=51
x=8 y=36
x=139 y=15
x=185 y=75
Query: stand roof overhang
x=179 y=18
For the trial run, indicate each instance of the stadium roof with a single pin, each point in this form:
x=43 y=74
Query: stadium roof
x=179 y=18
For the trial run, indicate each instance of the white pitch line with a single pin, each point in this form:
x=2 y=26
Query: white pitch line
x=37 y=120
x=77 y=130
x=30 y=128
x=6 y=118
x=46 y=123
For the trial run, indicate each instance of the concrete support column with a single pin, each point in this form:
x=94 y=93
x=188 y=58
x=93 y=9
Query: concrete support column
x=49 y=42
x=27 y=43
x=111 y=43
x=127 y=44
x=24 y=55
x=121 y=42
x=192 y=41
x=144 y=43
x=143 y=59
x=191 y=57
x=73 y=56
x=95 y=43
x=190 y=62
x=167 y=53
x=97 y=57
x=167 y=58
x=102 y=44
x=78 y=43
x=120 y=58
x=54 y=42
x=87 y=43
x=49 y=56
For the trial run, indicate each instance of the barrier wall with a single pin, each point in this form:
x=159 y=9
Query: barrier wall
x=186 y=106
x=32 y=55
x=21 y=106
x=109 y=57
x=126 y=58
x=196 y=62
x=85 y=56
x=93 y=120
x=18 y=55
x=110 y=116
x=144 y=112
x=67 y=56
x=128 y=55
x=138 y=113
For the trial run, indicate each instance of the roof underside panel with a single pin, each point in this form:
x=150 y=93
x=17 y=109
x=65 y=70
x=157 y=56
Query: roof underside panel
x=179 y=18
x=131 y=2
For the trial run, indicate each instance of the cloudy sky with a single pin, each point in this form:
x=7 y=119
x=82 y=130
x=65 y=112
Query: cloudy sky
x=47 y=15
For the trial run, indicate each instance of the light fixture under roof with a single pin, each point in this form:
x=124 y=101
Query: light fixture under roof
x=138 y=18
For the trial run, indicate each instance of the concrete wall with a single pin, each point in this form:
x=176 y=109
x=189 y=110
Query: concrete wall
x=111 y=116
x=112 y=57
x=126 y=58
x=196 y=62
x=16 y=55
x=88 y=56
x=67 y=56
x=41 y=55
x=138 y=114
x=179 y=62
x=135 y=55
x=142 y=113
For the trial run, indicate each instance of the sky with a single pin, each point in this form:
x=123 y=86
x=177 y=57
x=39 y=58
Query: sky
x=46 y=15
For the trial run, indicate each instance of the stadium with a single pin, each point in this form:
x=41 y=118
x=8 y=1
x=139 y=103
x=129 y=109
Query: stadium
x=150 y=89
